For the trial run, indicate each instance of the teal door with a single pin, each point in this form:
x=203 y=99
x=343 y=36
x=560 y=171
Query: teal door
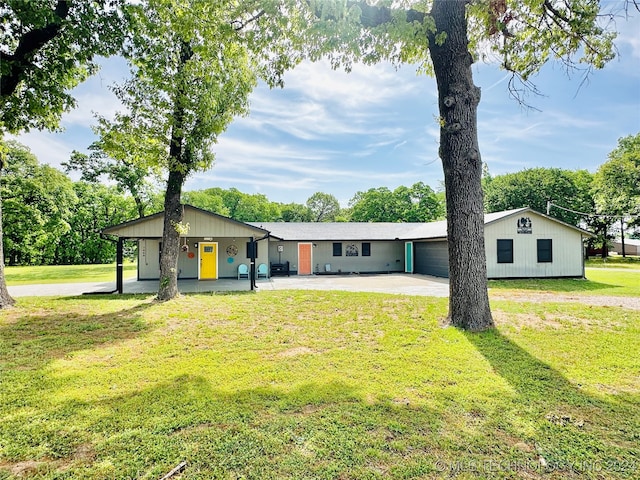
x=408 y=257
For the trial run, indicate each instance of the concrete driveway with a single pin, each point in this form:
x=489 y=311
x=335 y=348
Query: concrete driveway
x=397 y=283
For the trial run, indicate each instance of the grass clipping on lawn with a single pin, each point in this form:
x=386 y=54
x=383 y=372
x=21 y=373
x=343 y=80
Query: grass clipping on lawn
x=292 y=384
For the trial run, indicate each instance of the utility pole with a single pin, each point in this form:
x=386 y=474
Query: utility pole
x=622 y=235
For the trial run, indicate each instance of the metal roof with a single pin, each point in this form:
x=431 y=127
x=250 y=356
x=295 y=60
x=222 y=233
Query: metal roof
x=344 y=231
x=303 y=231
x=309 y=231
x=493 y=217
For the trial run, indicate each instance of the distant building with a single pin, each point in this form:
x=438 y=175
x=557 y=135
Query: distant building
x=631 y=247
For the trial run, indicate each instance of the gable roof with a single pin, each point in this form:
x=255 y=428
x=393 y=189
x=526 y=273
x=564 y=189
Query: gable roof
x=494 y=217
x=150 y=226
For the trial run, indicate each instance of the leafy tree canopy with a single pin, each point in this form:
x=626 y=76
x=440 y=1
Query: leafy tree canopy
x=98 y=207
x=51 y=220
x=323 y=207
x=418 y=203
x=115 y=157
x=534 y=187
x=37 y=203
x=616 y=184
x=46 y=49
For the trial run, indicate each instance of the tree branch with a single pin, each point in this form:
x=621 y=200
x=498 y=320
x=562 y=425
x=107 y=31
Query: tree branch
x=552 y=9
x=556 y=16
x=239 y=25
x=31 y=42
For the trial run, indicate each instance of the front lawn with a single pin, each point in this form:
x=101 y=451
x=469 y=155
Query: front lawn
x=600 y=281
x=614 y=261
x=315 y=385
x=66 y=273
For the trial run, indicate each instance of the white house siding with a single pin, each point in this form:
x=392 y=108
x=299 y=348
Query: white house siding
x=201 y=224
x=148 y=259
x=566 y=245
x=386 y=256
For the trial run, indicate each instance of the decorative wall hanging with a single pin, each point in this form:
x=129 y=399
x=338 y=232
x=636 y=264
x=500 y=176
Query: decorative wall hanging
x=524 y=225
x=351 y=250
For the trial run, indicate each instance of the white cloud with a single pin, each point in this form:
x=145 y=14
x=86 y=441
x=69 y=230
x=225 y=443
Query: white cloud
x=102 y=102
x=364 y=86
x=47 y=147
x=307 y=118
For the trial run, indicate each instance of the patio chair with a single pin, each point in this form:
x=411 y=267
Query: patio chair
x=262 y=270
x=243 y=271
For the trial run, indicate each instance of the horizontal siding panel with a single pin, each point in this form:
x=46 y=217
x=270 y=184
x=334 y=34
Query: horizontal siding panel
x=567 y=249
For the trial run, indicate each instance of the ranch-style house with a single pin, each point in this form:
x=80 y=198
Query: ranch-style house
x=520 y=243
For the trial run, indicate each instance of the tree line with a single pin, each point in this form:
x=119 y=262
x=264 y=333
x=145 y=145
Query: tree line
x=595 y=202
x=50 y=219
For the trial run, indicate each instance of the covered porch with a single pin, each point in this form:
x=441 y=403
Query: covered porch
x=214 y=249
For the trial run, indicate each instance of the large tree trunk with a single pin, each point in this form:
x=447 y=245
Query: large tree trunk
x=5 y=299
x=173 y=213
x=458 y=101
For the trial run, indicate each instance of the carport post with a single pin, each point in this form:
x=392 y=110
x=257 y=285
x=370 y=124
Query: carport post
x=252 y=275
x=119 y=264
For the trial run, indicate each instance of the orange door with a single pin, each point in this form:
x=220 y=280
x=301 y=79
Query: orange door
x=304 y=258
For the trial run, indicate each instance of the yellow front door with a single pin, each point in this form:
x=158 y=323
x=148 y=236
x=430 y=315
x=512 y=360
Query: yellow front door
x=208 y=261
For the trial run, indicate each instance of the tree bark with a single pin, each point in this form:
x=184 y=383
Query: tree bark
x=173 y=214
x=5 y=299
x=173 y=211
x=458 y=100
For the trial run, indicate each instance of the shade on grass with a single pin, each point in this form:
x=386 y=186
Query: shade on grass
x=287 y=384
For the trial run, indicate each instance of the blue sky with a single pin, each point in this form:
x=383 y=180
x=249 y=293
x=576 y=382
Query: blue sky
x=341 y=133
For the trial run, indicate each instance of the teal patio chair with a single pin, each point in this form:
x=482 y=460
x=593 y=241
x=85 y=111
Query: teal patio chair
x=243 y=271
x=262 y=271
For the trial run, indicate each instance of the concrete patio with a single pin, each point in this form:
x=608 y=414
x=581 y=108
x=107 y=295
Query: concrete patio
x=398 y=283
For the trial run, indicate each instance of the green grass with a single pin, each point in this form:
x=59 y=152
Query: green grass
x=600 y=281
x=66 y=274
x=315 y=385
x=614 y=262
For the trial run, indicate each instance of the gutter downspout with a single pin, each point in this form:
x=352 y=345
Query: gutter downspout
x=584 y=254
x=119 y=265
x=254 y=246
